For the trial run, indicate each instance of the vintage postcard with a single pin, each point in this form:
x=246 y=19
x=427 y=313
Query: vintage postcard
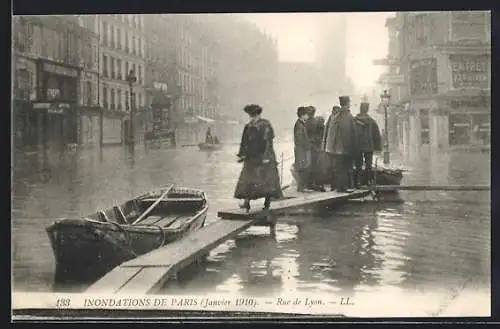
x=271 y=164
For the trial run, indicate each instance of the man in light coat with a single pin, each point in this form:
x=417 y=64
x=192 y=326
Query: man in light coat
x=340 y=142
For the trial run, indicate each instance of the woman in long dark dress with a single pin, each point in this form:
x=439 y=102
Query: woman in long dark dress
x=259 y=177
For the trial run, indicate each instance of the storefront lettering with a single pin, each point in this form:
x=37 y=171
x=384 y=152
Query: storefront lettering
x=470 y=71
x=61 y=70
x=160 y=86
x=423 y=76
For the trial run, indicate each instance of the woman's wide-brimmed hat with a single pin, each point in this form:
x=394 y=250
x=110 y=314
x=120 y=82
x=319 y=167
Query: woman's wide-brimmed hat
x=311 y=110
x=301 y=110
x=253 y=109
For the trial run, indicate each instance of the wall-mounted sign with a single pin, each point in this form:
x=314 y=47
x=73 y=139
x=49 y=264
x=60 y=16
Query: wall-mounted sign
x=55 y=108
x=160 y=86
x=60 y=70
x=470 y=71
x=423 y=76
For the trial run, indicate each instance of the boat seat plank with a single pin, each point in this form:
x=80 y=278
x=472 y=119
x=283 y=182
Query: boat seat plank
x=114 y=280
x=153 y=220
x=167 y=221
x=195 y=244
x=146 y=277
x=298 y=199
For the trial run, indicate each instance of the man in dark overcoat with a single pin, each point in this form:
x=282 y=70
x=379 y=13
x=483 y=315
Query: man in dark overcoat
x=340 y=141
x=369 y=141
x=315 y=134
x=302 y=149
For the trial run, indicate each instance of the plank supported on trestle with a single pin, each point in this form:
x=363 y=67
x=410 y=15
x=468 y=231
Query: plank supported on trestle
x=147 y=273
x=300 y=200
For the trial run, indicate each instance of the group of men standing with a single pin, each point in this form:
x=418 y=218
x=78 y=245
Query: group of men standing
x=333 y=153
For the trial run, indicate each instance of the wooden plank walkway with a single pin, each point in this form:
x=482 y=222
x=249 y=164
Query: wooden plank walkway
x=295 y=200
x=148 y=273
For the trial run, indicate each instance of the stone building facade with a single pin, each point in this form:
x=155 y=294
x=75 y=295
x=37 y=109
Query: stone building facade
x=442 y=97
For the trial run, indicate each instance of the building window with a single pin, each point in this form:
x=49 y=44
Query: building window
x=127 y=69
x=133 y=45
x=105 y=33
x=119 y=69
x=89 y=96
x=139 y=98
x=424 y=127
x=119 y=38
x=113 y=44
x=105 y=66
x=139 y=74
x=139 y=46
x=105 y=97
x=126 y=42
x=113 y=98
x=459 y=129
x=112 y=64
x=119 y=98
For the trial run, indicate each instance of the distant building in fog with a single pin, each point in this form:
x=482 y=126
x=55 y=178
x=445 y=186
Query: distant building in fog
x=440 y=75
x=298 y=86
x=181 y=67
x=248 y=71
x=331 y=55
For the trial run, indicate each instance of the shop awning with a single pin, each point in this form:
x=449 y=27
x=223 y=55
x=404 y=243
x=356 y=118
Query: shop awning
x=203 y=119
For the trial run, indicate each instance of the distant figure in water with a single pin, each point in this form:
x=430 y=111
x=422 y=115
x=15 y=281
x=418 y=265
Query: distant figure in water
x=259 y=177
x=208 y=136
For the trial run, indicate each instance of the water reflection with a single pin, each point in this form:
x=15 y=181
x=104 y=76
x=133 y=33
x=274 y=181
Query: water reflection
x=431 y=239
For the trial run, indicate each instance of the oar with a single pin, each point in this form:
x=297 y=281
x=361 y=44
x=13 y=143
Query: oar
x=144 y=214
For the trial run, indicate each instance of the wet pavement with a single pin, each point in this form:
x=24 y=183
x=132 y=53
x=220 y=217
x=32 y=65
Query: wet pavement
x=432 y=239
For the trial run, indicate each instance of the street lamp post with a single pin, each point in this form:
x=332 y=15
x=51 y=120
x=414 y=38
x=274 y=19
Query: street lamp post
x=385 y=98
x=131 y=78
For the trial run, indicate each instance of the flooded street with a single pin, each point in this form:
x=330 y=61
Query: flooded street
x=432 y=239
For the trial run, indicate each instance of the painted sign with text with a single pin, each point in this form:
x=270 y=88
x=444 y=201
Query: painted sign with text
x=470 y=71
x=423 y=76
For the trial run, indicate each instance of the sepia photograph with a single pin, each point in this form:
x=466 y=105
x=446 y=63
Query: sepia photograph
x=251 y=165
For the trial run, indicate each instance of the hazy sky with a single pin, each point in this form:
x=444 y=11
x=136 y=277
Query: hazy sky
x=367 y=39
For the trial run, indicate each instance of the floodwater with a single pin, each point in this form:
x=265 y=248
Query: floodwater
x=433 y=239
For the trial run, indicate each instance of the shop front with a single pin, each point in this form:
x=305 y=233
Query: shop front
x=469 y=122
x=56 y=104
x=25 y=121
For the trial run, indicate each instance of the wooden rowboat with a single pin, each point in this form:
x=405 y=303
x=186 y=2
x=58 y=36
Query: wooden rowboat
x=209 y=146
x=386 y=176
x=87 y=248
